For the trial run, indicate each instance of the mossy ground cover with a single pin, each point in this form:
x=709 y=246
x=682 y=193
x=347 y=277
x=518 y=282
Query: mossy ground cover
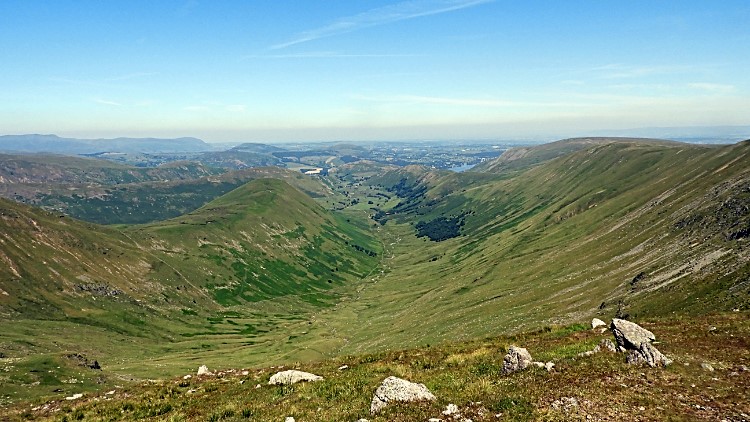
x=468 y=374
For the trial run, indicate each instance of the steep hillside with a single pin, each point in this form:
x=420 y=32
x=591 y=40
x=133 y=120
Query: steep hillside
x=269 y=238
x=224 y=280
x=614 y=229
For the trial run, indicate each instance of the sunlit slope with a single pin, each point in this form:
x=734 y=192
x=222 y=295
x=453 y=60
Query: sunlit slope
x=624 y=227
x=517 y=159
x=262 y=240
x=51 y=262
x=225 y=279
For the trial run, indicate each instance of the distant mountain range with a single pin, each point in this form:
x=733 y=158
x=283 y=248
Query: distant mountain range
x=55 y=144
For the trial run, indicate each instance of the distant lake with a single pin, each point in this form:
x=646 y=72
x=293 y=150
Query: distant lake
x=462 y=168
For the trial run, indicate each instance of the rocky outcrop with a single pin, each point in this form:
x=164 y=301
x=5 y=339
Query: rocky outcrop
x=635 y=341
x=629 y=335
x=398 y=390
x=81 y=360
x=516 y=359
x=292 y=377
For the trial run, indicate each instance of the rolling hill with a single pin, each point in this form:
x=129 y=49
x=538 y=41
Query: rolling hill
x=104 y=192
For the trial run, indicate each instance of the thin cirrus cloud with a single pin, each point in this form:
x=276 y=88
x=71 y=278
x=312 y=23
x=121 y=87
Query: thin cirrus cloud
x=620 y=71
x=327 y=55
x=428 y=100
x=712 y=87
x=380 y=16
x=129 y=76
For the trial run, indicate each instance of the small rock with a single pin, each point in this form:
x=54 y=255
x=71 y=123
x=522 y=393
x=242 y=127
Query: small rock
x=538 y=364
x=707 y=366
x=549 y=366
x=74 y=397
x=343 y=367
x=257 y=386
x=292 y=377
x=451 y=409
x=607 y=345
x=596 y=322
x=245 y=373
x=187 y=377
x=516 y=359
x=434 y=420
x=289 y=419
x=397 y=389
x=363 y=420
x=203 y=370
x=565 y=404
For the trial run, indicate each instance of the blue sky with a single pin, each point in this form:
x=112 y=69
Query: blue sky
x=362 y=70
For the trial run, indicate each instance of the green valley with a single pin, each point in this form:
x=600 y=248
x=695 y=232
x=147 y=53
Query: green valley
x=272 y=267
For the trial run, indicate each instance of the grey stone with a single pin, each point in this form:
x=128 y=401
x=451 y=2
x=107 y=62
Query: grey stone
x=292 y=377
x=399 y=390
x=596 y=322
x=607 y=345
x=707 y=366
x=203 y=370
x=629 y=335
x=516 y=359
x=647 y=354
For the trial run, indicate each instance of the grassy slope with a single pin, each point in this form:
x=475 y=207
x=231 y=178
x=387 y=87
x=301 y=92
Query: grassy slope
x=561 y=242
x=224 y=281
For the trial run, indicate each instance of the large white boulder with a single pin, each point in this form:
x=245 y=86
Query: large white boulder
x=400 y=390
x=292 y=377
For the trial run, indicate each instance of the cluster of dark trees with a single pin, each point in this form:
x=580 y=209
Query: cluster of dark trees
x=441 y=228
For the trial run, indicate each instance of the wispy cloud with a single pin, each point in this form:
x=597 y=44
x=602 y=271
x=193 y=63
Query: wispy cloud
x=106 y=102
x=327 y=55
x=621 y=71
x=380 y=16
x=463 y=102
x=428 y=100
x=129 y=76
x=712 y=87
